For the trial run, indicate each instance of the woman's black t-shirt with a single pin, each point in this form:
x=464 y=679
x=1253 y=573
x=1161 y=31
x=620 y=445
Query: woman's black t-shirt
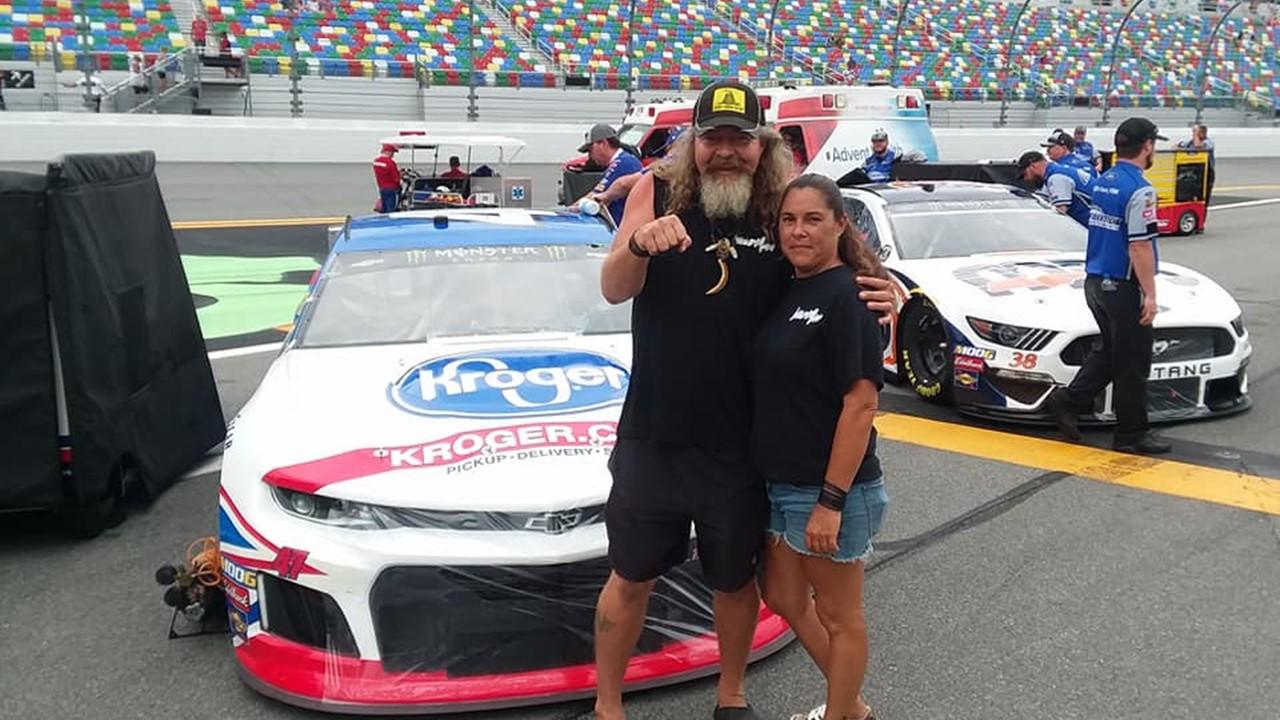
x=810 y=350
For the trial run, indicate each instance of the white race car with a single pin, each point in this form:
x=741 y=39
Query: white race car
x=411 y=507
x=995 y=317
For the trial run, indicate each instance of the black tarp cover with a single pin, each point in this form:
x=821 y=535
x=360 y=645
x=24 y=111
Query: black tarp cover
x=140 y=388
x=1002 y=173
x=29 y=470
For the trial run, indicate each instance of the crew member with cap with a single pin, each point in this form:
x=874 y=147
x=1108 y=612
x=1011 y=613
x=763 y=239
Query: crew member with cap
x=1061 y=149
x=387 y=175
x=455 y=170
x=621 y=187
x=1085 y=149
x=605 y=150
x=1069 y=188
x=1121 y=264
x=879 y=164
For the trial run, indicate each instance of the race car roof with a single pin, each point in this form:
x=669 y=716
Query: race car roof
x=941 y=191
x=470 y=228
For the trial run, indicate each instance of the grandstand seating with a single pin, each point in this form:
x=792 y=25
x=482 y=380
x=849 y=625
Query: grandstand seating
x=375 y=37
x=954 y=49
x=34 y=29
x=679 y=43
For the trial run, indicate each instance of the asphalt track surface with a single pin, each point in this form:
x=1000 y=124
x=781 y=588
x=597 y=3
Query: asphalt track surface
x=1016 y=577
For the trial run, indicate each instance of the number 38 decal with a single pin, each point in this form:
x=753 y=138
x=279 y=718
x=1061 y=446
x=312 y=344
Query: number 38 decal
x=1026 y=361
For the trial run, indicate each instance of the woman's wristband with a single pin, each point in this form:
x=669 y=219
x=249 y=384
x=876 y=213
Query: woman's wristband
x=832 y=497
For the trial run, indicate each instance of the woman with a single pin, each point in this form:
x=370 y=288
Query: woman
x=817 y=379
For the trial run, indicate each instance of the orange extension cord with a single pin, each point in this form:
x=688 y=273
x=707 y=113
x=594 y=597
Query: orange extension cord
x=204 y=562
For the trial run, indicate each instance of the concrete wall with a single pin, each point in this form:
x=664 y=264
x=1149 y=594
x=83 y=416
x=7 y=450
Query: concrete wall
x=37 y=137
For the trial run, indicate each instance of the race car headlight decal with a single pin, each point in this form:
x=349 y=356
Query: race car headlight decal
x=341 y=513
x=1014 y=336
x=1238 y=325
x=364 y=516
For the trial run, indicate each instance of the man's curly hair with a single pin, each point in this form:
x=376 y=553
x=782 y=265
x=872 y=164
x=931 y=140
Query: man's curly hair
x=769 y=183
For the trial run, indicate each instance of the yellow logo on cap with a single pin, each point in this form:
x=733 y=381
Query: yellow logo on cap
x=730 y=99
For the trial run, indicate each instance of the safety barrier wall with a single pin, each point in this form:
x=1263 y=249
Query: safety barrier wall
x=37 y=137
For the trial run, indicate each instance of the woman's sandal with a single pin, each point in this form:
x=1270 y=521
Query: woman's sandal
x=820 y=712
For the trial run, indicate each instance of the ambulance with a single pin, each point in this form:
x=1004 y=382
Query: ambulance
x=828 y=127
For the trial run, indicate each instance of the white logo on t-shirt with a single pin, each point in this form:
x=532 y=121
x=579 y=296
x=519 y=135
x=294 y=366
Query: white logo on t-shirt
x=760 y=244
x=808 y=316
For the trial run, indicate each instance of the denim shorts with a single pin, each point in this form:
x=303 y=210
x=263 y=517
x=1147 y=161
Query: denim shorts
x=791 y=505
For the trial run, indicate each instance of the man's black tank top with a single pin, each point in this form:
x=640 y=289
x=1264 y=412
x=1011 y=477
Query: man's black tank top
x=691 y=373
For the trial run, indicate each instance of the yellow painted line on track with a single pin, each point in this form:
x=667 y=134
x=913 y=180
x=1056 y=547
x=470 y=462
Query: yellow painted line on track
x=231 y=224
x=1169 y=477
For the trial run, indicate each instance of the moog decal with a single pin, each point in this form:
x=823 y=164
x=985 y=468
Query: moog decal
x=508 y=383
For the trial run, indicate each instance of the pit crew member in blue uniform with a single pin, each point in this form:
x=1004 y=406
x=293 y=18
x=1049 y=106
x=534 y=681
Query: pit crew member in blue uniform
x=1120 y=287
x=606 y=150
x=879 y=164
x=1061 y=149
x=1069 y=188
x=1085 y=149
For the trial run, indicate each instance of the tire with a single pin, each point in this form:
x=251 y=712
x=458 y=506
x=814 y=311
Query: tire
x=1187 y=223
x=925 y=352
x=87 y=521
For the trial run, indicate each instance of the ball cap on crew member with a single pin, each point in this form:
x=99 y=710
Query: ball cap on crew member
x=389 y=146
x=728 y=104
x=598 y=133
x=1029 y=158
x=1135 y=131
x=1059 y=137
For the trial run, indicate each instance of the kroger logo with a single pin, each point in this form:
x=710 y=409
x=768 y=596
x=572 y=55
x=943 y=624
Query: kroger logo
x=511 y=382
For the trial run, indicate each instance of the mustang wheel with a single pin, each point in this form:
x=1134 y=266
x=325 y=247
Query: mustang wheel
x=926 y=352
x=1187 y=222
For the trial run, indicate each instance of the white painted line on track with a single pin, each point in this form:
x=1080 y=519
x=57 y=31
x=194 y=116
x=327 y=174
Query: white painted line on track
x=1249 y=203
x=247 y=350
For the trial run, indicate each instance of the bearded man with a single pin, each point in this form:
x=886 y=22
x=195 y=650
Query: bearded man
x=696 y=252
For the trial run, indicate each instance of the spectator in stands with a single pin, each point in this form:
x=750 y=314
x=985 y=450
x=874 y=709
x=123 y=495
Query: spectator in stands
x=1069 y=188
x=1200 y=142
x=605 y=149
x=93 y=90
x=199 y=33
x=1085 y=149
x=387 y=175
x=137 y=75
x=455 y=169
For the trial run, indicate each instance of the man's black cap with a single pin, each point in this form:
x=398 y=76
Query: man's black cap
x=1060 y=137
x=1029 y=158
x=728 y=104
x=1135 y=131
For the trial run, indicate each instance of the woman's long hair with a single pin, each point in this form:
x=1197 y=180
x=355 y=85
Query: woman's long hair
x=767 y=185
x=851 y=246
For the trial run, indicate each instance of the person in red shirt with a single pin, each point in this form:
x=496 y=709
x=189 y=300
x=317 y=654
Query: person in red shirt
x=199 y=33
x=387 y=174
x=455 y=169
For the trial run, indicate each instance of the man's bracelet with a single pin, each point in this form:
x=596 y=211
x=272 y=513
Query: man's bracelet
x=832 y=497
x=635 y=248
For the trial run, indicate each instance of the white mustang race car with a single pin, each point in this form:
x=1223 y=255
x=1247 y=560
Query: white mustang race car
x=411 y=508
x=995 y=317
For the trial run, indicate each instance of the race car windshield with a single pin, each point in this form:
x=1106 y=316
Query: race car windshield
x=404 y=296
x=956 y=229
x=632 y=134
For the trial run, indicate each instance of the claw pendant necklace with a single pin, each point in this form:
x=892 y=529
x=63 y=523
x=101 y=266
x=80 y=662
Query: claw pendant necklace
x=724 y=249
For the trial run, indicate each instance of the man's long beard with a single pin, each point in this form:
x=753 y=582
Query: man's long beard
x=726 y=196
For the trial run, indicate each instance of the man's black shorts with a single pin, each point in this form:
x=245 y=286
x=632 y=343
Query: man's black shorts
x=660 y=488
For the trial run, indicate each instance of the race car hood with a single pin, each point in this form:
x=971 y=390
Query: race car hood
x=493 y=424
x=1047 y=291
